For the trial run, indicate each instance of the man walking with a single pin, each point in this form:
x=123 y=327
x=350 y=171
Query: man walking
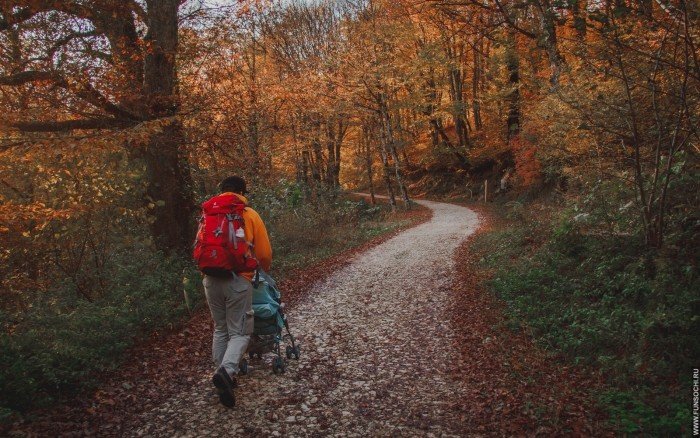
x=231 y=243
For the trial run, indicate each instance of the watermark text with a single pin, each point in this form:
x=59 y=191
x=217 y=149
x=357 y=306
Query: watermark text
x=696 y=401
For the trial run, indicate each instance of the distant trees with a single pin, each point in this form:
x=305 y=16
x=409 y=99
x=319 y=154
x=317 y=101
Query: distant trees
x=476 y=83
x=622 y=91
x=435 y=94
x=307 y=46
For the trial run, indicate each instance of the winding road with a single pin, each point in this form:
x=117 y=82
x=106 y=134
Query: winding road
x=376 y=346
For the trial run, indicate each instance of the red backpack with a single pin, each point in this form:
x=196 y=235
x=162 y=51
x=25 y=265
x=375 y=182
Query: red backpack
x=220 y=247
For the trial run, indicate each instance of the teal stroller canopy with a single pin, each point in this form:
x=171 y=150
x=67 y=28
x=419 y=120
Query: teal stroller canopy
x=267 y=299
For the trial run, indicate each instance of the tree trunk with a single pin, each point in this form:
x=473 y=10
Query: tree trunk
x=169 y=190
x=390 y=145
x=458 y=107
x=342 y=130
x=305 y=166
x=385 y=167
x=254 y=116
x=434 y=134
x=476 y=77
x=549 y=40
x=429 y=109
x=335 y=131
x=399 y=175
x=146 y=89
x=513 y=66
x=299 y=155
x=367 y=150
x=317 y=158
x=513 y=99
x=330 y=152
x=169 y=179
x=317 y=162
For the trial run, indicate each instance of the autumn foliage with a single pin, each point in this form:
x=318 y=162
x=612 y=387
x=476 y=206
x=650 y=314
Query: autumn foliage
x=118 y=117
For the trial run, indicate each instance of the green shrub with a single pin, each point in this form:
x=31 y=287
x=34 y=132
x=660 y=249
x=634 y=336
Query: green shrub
x=305 y=228
x=59 y=344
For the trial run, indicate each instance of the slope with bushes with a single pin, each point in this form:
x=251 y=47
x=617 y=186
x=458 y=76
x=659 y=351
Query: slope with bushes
x=594 y=295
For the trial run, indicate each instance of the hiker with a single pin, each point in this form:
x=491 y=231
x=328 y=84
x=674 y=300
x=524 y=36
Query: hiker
x=232 y=243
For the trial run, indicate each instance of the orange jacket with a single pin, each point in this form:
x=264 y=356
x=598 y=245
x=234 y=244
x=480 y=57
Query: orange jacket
x=256 y=233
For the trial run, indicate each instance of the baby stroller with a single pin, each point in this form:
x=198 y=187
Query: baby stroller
x=270 y=323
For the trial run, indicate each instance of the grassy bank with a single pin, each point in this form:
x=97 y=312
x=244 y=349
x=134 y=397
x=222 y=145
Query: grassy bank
x=604 y=301
x=305 y=233
x=61 y=341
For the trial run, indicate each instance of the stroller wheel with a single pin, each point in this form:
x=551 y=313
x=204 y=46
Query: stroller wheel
x=289 y=351
x=296 y=352
x=278 y=365
x=243 y=367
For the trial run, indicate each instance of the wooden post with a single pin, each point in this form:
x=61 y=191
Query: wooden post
x=486 y=190
x=185 y=284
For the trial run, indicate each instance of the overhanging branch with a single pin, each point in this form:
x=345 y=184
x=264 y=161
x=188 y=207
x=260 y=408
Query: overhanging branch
x=84 y=91
x=29 y=76
x=70 y=125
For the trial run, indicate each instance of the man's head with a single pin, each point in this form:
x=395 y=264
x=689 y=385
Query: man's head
x=234 y=184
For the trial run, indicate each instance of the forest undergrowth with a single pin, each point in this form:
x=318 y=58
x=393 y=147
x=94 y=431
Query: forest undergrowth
x=596 y=297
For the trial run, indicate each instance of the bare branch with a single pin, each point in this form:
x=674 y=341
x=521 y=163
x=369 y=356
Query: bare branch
x=19 y=16
x=67 y=39
x=89 y=94
x=511 y=22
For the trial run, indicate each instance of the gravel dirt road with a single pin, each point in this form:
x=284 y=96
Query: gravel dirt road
x=377 y=344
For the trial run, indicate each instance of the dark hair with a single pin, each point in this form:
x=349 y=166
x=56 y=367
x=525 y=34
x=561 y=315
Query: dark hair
x=234 y=184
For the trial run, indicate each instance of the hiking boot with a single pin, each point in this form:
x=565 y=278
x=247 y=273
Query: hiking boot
x=224 y=387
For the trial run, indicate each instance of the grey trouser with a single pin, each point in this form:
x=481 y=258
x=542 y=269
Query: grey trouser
x=231 y=305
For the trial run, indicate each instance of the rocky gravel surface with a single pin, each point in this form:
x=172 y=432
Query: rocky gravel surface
x=377 y=348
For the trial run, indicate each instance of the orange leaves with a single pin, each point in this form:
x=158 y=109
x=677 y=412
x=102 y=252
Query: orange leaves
x=13 y=216
x=528 y=168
